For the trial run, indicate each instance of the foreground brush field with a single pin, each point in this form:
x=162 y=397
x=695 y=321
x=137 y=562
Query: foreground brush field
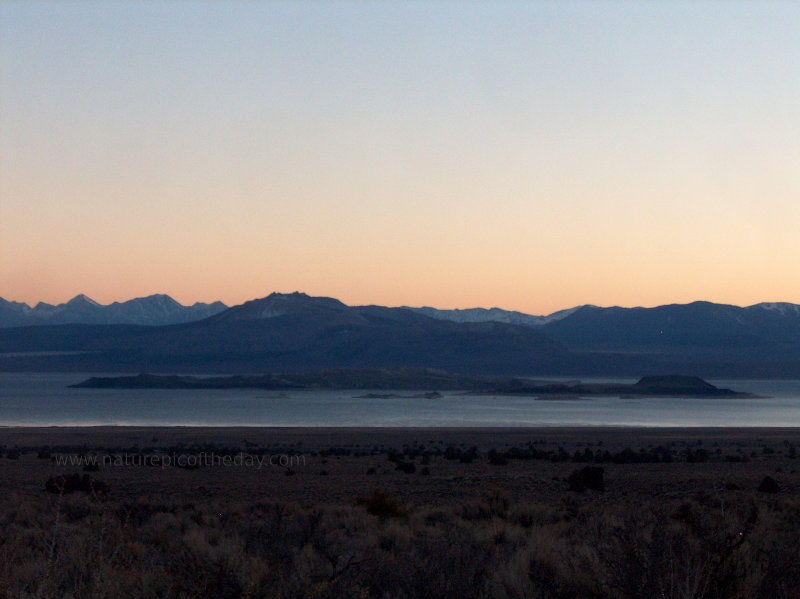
x=276 y=512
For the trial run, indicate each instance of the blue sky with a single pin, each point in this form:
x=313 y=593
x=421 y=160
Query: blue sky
x=532 y=155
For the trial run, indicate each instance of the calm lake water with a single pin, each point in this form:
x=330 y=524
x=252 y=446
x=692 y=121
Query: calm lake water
x=46 y=400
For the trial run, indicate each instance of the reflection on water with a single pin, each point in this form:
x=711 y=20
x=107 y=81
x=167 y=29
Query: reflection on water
x=46 y=400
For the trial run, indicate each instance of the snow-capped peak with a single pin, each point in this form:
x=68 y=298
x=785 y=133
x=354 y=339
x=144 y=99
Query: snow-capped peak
x=82 y=299
x=782 y=308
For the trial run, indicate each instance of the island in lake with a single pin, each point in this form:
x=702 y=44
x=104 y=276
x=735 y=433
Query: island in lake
x=415 y=379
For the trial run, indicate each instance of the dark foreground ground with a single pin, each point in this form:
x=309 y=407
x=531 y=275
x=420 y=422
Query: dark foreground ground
x=282 y=512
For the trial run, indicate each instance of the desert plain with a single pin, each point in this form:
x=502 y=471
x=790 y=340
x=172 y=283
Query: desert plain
x=399 y=512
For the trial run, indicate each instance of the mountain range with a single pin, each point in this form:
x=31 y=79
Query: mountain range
x=493 y=315
x=154 y=310
x=292 y=332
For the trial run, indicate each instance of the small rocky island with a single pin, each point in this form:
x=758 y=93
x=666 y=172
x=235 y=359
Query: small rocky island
x=649 y=386
x=422 y=378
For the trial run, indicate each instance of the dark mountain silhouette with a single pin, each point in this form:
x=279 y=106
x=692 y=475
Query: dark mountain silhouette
x=291 y=332
x=286 y=333
x=700 y=324
x=281 y=304
x=701 y=337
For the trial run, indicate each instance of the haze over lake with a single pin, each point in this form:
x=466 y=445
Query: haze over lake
x=46 y=400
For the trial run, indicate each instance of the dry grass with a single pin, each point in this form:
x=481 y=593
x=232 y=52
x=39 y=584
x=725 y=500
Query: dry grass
x=92 y=547
x=680 y=530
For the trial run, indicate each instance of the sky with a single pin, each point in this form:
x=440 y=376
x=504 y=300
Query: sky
x=528 y=155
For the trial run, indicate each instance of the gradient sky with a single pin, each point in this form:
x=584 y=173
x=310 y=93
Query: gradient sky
x=531 y=156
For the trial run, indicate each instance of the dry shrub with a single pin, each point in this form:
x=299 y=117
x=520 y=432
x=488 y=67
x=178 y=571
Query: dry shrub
x=78 y=546
x=380 y=504
x=528 y=515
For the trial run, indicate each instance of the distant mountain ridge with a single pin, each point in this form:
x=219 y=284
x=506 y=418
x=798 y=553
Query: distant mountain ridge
x=161 y=309
x=154 y=310
x=698 y=324
x=291 y=332
x=284 y=333
x=493 y=315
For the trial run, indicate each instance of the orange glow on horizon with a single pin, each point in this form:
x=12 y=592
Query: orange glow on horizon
x=530 y=156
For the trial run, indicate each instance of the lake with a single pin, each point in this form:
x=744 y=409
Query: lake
x=46 y=400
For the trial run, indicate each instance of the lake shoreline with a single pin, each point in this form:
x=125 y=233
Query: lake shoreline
x=31 y=436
